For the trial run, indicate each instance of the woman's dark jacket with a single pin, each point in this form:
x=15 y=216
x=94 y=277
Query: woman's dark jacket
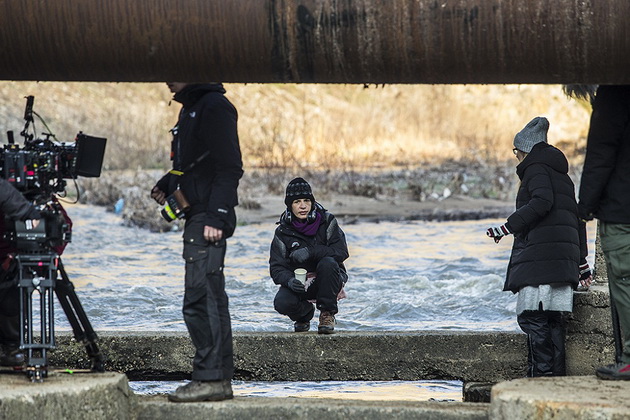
x=207 y=126
x=605 y=183
x=549 y=238
x=329 y=241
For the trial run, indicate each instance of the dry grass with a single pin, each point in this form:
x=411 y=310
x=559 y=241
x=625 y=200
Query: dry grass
x=309 y=127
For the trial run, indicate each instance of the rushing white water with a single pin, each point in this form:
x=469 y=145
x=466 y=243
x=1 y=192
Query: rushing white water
x=403 y=276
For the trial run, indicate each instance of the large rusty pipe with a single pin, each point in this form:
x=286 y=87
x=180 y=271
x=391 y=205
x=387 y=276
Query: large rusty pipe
x=321 y=41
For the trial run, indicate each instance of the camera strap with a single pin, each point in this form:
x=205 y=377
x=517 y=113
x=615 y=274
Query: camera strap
x=191 y=165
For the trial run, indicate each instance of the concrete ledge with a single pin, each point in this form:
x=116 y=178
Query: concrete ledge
x=467 y=356
x=590 y=342
x=63 y=396
x=561 y=398
x=288 y=408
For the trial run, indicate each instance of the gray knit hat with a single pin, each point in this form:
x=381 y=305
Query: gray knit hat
x=534 y=132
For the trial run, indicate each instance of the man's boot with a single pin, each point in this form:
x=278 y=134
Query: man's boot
x=199 y=391
x=11 y=356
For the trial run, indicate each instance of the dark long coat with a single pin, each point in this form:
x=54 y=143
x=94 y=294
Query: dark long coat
x=549 y=238
x=605 y=183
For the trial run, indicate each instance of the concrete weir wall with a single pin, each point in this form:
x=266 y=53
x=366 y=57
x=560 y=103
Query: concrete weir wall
x=467 y=356
x=486 y=357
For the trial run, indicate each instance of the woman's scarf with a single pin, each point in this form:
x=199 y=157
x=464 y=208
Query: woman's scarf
x=306 y=228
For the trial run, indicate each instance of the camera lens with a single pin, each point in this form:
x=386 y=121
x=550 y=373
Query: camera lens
x=168 y=214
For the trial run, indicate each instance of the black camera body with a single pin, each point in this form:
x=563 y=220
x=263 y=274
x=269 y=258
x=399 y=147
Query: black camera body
x=41 y=167
x=53 y=232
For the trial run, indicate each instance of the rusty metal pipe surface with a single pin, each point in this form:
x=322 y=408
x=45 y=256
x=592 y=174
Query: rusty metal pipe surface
x=319 y=41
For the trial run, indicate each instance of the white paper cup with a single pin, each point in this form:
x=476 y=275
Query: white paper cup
x=300 y=274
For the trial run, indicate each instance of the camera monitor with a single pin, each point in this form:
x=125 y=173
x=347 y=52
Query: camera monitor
x=90 y=153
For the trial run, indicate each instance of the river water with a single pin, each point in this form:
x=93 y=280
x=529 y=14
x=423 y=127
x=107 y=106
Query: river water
x=405 y=276
x=402 y=276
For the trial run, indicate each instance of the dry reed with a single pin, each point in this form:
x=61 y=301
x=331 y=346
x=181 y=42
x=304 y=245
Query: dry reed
x=311 y=127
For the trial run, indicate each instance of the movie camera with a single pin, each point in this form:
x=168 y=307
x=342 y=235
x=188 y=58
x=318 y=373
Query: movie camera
x=39 y=170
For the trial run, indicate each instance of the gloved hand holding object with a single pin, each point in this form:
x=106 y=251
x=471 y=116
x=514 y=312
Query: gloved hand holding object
x=296 y=286
x=498 y=232
x=586 y=276
x=300 y=255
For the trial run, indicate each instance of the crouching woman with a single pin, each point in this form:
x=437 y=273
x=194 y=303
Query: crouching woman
x=308 y=237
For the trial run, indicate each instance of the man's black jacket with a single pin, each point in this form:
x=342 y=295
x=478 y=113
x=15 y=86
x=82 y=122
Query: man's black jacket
x=605 y=183
x=207 y=125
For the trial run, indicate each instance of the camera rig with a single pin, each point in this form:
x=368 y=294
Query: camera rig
x=40 y=170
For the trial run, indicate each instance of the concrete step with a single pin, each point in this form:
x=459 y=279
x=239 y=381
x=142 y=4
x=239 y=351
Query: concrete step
x=562 y=398
x=97 y=396
x=240 y=408
x=61 y=395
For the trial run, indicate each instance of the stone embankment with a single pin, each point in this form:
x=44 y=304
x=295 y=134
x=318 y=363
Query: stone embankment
x=450 y=192
x=475 y=358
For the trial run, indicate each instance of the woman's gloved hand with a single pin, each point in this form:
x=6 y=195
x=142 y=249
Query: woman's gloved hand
x=586 y=276
x=498 y=232
x=296 y=286
x=300 y=255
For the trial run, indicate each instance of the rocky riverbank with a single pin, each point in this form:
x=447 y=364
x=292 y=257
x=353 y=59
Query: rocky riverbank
x=448 y=192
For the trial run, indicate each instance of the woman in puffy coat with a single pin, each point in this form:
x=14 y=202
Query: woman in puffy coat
x=308 y=237
x=548 y=258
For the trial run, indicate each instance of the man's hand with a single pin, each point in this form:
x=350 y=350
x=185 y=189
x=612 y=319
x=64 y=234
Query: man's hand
x=584 y=214
x=212 y=234
x=158 y=195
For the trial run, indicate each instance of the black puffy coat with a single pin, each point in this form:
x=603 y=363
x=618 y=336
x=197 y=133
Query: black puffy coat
x=329 y=241
x=207 y=123
x=605 y=183
x=549 y=238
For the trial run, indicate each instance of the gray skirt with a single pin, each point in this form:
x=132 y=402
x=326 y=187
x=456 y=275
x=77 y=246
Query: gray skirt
x=545 y=297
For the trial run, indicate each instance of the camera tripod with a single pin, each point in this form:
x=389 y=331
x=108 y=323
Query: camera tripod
x=44 y=273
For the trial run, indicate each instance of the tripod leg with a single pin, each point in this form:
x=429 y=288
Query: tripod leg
x=81 y=327
x=42 y=283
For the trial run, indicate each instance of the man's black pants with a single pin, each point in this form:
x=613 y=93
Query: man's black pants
x=206 y=304
x=9 y=316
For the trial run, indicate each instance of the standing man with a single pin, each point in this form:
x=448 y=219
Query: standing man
x=207 y=167
x=605 y=195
